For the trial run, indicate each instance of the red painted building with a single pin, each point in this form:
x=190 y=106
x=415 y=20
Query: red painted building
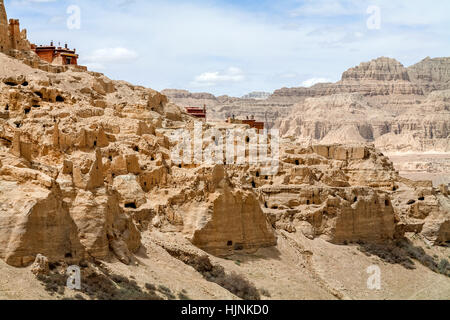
x=197 y=112
x=254 y=124
x=56 y=55
x=259 y=126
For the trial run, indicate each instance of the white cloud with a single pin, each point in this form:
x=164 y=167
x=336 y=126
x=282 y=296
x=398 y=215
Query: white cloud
x=326 y=8
x=112 y=55
x=310 y=82
x=208 y=79
x=95 y=66
x=187 y=44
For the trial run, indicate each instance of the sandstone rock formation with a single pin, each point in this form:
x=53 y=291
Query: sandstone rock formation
x=88 y=175
x=11 y=37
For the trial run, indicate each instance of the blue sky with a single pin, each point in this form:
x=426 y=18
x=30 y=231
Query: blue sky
x=235 y=47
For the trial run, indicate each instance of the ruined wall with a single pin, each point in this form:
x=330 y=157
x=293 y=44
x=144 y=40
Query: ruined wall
x=11 y=38
x=4 y=38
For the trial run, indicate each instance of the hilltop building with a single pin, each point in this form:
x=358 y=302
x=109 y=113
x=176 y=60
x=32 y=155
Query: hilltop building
x=56 y=55
x=12 y=38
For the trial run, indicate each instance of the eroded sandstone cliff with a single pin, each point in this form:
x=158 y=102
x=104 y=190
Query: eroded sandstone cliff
x=87 y=176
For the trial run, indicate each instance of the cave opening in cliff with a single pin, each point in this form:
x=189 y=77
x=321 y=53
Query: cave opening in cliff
x=59 y=99
x=230 y=243
x=27 y=110
x=130 y=205
x=297 y=162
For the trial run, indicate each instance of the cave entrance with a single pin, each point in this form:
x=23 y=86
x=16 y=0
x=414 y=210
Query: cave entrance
x=130 y=205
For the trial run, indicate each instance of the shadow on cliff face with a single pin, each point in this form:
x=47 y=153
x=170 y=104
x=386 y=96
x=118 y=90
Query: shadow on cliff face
x=270 y=253
x=403 y=252
x=233 y=282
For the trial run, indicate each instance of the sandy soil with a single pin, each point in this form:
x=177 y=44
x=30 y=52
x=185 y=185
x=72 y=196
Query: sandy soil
x=296 y=269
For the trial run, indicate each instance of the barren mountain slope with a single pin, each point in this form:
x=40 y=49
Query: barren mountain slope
x=88 y=178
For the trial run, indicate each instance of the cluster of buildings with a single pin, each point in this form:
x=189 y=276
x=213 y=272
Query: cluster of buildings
x=200 y=113
x=12 y=38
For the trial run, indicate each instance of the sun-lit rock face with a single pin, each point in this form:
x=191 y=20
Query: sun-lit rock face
x=66 y=151
x=86 y=172
x=229 y=219
x=34 y=220
x=11 y=37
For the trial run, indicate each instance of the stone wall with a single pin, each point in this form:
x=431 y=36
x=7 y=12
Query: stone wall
x=11 y=37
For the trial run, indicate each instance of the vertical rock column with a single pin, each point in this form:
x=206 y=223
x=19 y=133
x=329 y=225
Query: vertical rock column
x=4 y=39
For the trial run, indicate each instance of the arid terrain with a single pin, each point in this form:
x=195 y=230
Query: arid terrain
x=403 y=111
x=89 y=178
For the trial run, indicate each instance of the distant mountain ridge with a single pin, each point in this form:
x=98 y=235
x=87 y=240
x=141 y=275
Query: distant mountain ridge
x=379 y=98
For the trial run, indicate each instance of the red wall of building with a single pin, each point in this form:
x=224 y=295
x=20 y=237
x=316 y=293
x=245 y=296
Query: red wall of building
x=46 y=55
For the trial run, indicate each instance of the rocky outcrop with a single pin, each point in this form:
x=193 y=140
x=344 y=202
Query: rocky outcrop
x=11 y=37
x=230 y=220
x=353 y=118
x=34 y=220
x=431 y=74
x=328 y=204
